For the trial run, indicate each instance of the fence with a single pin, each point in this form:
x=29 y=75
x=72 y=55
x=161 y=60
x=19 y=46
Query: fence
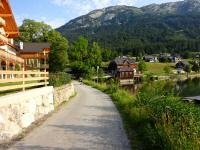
x=13 y=80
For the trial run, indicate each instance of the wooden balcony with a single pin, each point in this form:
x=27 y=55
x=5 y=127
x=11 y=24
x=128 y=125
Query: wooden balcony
x=36 y=67
x=43 y=66
x=10 y=57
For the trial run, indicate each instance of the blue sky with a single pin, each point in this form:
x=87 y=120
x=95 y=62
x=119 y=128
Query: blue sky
x=59 y=12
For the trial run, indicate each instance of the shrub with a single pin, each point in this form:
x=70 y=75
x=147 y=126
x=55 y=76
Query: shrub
x=59 y=79
x=160 y=119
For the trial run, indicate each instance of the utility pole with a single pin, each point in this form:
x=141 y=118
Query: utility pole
x=97 y=74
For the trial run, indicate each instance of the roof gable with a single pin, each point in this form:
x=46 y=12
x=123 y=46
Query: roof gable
x=124 y=60
x=35 y=47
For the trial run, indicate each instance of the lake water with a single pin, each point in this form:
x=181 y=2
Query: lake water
x=189 y=87
x=183 y=88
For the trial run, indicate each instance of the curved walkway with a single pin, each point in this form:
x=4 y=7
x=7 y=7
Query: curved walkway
x=89 y=122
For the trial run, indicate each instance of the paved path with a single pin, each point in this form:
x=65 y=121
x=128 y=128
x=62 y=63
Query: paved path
x=89 y=122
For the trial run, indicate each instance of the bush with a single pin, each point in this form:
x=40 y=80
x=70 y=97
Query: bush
x=160 y=119
x=59 y=79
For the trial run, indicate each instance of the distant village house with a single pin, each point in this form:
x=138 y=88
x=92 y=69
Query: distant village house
x=123 y=67
x=166 y=57
x=149 y=58
x=182 y=64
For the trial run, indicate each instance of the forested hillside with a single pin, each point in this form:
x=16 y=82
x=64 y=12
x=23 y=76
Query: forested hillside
x=170 y=27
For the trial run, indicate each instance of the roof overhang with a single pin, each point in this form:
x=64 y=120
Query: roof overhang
x=6 y=13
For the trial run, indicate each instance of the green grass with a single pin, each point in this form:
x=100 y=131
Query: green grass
x=158 y=68
x=156 y=118
x=3 y=93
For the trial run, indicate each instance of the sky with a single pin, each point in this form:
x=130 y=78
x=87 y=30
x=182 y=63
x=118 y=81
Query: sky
x=58 y=12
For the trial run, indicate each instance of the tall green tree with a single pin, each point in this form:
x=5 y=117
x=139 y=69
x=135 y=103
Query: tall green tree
x=84 y=58
x=187 y=69
x=58 y=59
x=142 y=66
x=33 y=31
x=95 y=58
x=195 y=67
x=79 y=50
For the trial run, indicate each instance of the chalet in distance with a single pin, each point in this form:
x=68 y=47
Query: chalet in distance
x=150 y=58
x=9 y=53
x=166 y=57
x=182 y=64
x=35 y=55
x=123 y=67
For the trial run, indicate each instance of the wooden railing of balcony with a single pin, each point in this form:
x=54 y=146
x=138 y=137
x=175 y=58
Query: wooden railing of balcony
x=15 y=80
x=10 y=57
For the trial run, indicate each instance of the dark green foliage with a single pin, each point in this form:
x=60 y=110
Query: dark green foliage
x=149 y=33
x=32 y=31
x=186 y=55
x=195 y=67
x=84 y=58
x=59 y=79
x=17 y=67
x=142 y=66
x=174 y=124
x=187 y=69
x=164 y=59
x=160 y=119
x=58 y=58
x=108 y=54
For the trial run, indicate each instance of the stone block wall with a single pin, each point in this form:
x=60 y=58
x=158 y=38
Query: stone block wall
x=20 y=110
x=63 y=93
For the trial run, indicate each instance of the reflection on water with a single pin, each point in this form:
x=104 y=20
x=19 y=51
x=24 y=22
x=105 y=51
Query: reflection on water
x=183 y=88
x=189 y=87
x=132 y=88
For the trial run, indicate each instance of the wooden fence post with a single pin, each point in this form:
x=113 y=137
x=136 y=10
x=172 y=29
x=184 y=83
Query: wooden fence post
x=23 y=76
x=45 y=77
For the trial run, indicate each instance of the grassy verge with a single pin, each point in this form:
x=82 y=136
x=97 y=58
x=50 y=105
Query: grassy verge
x=156 y=118
x=158 y=68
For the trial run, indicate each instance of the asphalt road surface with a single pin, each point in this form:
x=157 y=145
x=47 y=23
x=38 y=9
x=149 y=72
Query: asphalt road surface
x=89 y=121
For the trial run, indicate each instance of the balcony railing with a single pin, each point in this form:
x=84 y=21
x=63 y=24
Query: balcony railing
x=43 y=66
x=10 y=57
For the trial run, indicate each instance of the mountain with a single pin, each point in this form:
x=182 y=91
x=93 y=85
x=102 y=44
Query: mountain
x=173 y=26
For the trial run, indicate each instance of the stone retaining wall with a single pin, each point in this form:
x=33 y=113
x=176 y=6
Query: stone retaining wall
x=63 y=93
x=20 y=110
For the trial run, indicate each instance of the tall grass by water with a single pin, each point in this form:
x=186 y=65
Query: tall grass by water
x=156 y=118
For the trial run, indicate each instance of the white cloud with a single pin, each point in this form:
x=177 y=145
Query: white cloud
x=84 y=6
x=54 y=23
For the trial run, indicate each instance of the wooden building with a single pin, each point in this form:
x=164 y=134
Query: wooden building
x=35 y=55
x=9 y=54
x=123 y=68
